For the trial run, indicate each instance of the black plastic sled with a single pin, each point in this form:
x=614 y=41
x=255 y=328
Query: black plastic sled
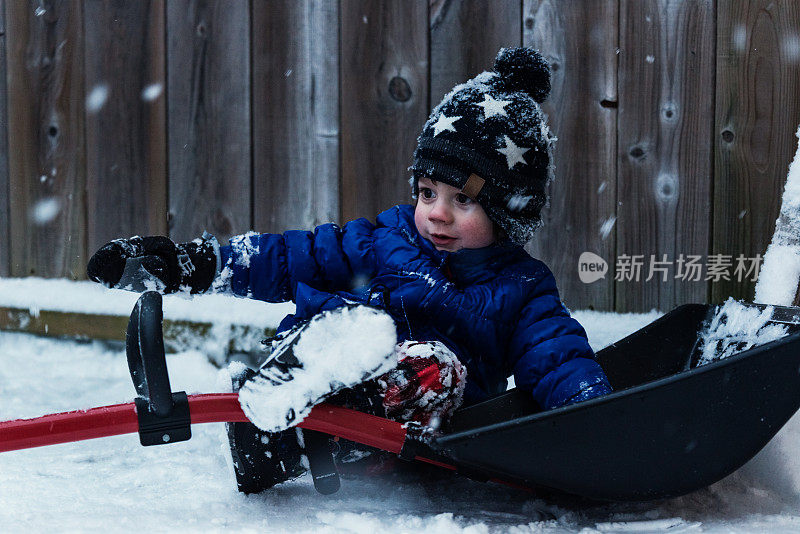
x=670 y=427
x=667 y=430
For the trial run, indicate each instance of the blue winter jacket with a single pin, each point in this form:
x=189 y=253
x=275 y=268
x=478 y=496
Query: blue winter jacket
x=496 y=308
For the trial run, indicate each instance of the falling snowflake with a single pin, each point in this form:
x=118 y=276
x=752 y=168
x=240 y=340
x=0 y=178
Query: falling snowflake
x=151 y=92
x=45 y=210
x=97 y=98
x=606 y=227
x=739 y=38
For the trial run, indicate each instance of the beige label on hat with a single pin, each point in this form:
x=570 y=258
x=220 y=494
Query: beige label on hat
x=473 y=186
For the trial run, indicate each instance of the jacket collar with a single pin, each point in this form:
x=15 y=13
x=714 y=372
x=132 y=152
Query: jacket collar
x=466 y=266
x=473 y=265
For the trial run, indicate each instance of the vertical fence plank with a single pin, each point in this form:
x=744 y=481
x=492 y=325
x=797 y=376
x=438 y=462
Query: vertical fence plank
x=46 y=147
x=126 y=131
x=465 y=38
x=208 y=91
x=581 y=47
x=384 y=100
x=5 y=234
x=666 y=70
x=757 y=113
x=295 y=114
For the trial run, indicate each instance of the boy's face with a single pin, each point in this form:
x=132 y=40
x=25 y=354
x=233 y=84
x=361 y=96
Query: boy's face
x=450 y=219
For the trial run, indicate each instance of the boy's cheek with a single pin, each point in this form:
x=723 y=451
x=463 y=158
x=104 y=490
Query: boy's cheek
x=419 y=218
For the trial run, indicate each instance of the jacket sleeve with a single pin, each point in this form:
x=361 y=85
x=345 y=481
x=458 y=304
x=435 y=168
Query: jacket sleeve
x=270 y=266
x=553 y=357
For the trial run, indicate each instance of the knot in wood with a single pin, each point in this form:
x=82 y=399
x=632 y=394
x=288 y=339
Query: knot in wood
x=399 y=89
x=727 y=136
x=666 y=187
x=669 y=112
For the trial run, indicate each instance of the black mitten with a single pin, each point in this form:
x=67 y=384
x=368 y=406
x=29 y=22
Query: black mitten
x=192 y=264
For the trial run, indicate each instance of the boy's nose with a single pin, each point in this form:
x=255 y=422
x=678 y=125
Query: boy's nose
x=440 y=212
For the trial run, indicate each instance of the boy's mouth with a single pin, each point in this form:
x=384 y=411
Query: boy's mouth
x=441 y=239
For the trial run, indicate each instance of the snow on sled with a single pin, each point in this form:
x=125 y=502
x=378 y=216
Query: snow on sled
x=669 y=428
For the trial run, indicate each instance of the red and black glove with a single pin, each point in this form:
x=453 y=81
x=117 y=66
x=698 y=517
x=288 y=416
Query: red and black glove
x=176 y=265
x=428 y=382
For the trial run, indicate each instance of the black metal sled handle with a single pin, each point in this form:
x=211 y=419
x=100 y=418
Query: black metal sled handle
x=144 y=346
x=163 y=415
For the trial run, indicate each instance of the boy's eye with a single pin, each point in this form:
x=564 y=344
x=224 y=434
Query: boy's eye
x=461 y=198
x=425 y=192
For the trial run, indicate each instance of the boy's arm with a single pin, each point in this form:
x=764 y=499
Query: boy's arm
x=269 y=266
x=554 y=359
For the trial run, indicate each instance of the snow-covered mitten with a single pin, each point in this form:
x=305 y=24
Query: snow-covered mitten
x=262 y=459
x=427 y=385
x=193 y=264
x=333 y=350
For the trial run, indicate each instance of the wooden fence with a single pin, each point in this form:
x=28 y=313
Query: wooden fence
x=675 y=120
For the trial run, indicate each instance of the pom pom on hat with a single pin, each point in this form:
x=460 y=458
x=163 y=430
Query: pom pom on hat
x=523 y=69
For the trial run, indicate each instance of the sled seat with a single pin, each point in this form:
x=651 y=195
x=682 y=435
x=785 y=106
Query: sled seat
x=632 y=361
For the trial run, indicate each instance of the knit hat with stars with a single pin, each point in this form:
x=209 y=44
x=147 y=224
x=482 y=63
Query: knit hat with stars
x=488 y=137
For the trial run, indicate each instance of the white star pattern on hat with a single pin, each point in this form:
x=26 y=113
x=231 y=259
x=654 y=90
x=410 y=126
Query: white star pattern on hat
x=492 y=107
x=444 y=123
x=512 y=152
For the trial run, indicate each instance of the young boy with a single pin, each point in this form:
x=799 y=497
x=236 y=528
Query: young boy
x=451 y=271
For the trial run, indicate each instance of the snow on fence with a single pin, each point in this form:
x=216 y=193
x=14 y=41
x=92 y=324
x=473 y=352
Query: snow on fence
x=217 y=325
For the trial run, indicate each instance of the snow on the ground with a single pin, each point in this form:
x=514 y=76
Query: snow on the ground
x=115 y=485
x=605 y=328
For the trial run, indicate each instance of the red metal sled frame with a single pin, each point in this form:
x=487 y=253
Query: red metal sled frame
x=207 y=408
x=119 y=419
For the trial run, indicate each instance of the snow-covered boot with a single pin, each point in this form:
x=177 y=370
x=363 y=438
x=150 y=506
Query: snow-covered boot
x=316 y=359
x=262 y=459
x=334 y=350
